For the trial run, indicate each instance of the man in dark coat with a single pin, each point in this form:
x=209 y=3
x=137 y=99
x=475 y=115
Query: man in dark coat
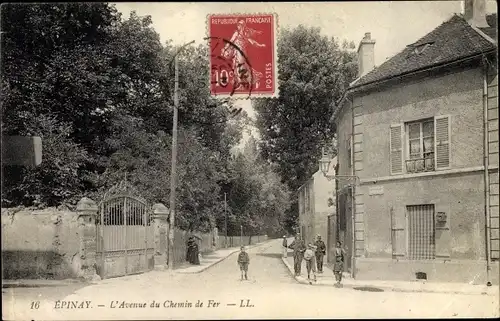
x=299 y=247
x=320 y=253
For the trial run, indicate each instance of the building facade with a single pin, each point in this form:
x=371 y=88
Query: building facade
x=315 y=209
x=421 y=134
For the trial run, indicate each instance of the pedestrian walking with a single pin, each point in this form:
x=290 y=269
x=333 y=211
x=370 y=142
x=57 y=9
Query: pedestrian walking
x=298 y=246
x=310 y=258
x=243 y=262
x=338 y=265
x=285 y=247
x=320 y=253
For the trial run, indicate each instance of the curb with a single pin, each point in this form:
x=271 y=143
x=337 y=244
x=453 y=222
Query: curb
x=302 y=280
x=222 y=259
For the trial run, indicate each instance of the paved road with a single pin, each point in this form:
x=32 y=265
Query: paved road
x=271 y=291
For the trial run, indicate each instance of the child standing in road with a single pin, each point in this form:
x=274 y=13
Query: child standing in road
x=243 y=261
x=310 y=257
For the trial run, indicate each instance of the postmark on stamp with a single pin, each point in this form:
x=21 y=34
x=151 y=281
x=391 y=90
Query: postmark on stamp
x=243 y=55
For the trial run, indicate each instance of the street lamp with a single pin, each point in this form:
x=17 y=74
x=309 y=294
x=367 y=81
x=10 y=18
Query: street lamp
x=173 y=173
x=324 y=163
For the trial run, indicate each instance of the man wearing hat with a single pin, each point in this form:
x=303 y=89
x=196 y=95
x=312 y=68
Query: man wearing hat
x=285 y=247
x=299 y=247
x=320 y=253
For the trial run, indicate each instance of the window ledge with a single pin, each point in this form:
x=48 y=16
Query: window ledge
x=425 y=174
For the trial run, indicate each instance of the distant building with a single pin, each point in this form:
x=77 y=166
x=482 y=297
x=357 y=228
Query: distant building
x=421 y=133
x=315 y=210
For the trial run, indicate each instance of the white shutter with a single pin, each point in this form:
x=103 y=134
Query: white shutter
x=396 y=146
x=442 y=141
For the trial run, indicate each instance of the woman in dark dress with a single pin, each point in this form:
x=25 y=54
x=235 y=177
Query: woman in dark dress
x=195 y=253
x=189 y=249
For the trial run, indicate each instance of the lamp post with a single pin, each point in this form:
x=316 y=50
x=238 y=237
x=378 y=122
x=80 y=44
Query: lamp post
x=324 y=166
x=173 y=172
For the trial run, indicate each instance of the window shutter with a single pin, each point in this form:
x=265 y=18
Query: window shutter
x=396 y=147
x=442 y=141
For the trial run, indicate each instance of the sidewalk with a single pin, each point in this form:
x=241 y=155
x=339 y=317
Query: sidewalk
x=38 y=283
x=210 y=259
x=327 y=279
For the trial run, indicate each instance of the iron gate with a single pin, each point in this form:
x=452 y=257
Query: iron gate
x=125 y=234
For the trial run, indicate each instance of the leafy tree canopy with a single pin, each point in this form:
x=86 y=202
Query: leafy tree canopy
x=314 y=72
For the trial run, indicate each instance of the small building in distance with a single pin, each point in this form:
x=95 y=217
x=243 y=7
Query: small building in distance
x=317 y=207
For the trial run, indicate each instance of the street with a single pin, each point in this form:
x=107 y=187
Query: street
x=270 y=292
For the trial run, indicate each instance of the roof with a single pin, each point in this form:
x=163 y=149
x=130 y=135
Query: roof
x=452 y=40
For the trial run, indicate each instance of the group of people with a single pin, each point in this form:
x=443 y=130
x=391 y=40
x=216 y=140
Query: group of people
x=313 y=254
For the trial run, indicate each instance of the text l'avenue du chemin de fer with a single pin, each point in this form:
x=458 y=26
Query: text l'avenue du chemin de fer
x=154 y=304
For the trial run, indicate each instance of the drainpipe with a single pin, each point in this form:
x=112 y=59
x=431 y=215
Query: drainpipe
x=486 y=173
x=353 y=193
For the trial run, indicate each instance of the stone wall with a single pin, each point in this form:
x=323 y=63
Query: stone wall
x=40 y=244
x=61 y=244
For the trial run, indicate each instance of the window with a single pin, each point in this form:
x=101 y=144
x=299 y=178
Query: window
x=420 y=146
x=421 y=232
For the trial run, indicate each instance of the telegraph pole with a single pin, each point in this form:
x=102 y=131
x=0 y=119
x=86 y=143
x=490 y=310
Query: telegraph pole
x=173 y=172
x=241 y=235
x=225 y=217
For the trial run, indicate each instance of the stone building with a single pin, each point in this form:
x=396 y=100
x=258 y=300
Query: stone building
x=421 y=133
x=315 y=210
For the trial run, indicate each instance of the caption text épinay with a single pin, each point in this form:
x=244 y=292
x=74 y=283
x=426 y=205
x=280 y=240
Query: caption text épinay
x=244 y=303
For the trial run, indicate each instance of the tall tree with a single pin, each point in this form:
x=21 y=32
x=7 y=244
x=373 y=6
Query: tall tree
x=54 y=77
x=258 y=199
x=314 y=72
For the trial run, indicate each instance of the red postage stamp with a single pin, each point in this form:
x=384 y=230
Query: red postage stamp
x=243 y=55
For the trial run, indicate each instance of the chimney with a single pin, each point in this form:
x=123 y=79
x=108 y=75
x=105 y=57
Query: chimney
x=475 y=13
x=366 y=55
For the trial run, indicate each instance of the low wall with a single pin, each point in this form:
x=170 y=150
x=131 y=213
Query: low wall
x=205 y=244
x=40 y=244
x=236 y=241
x=55 y=244
x=209 y=242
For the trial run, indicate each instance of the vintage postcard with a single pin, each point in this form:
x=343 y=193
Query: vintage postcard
x=280 y=160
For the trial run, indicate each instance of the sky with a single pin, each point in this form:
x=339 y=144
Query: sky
x=392 y=24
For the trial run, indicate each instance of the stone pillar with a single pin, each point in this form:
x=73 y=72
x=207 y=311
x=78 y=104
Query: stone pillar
x=87 y=212
x=216 y=238
x=160 y=216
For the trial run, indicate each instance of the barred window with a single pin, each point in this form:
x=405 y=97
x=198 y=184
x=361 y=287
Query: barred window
x=421 y=232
